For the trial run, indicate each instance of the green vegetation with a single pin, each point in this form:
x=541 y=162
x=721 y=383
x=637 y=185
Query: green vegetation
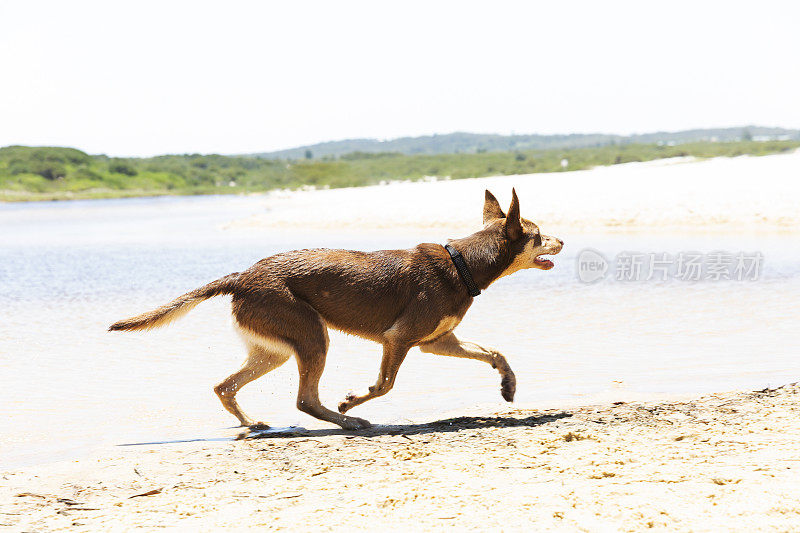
x=41 y=173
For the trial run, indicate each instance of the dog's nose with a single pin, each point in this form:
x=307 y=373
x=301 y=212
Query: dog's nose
x=560 y=241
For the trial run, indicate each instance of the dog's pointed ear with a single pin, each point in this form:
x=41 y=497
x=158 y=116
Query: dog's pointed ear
x=513 y=220
x=491 y=208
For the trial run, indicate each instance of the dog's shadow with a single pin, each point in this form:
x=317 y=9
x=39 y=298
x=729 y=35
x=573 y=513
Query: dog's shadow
x=448 y=425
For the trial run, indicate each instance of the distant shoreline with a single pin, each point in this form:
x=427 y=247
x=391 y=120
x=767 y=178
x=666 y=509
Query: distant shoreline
x=717 y=195
x=59 y=174
x=11 y=197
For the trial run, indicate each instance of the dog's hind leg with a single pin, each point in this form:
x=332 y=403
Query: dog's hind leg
x=393 y=356
x=262 y=358
x=450 y=345
x=277 y=314
x=311 y=354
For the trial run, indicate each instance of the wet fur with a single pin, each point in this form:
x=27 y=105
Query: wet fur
x=284 y=304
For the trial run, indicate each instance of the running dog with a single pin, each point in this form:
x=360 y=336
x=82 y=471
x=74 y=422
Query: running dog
x=284 y=304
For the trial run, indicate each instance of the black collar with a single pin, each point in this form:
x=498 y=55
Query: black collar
x=463 y=270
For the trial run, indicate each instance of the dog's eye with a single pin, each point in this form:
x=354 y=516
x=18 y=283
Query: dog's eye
x=537 y=239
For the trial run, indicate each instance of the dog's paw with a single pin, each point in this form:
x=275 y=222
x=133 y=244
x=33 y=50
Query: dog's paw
x=351 y=422
x=258 y=426
x=508 y=386
x=344 y=406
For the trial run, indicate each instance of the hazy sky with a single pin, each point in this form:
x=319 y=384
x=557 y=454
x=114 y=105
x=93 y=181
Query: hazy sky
x=143 y=78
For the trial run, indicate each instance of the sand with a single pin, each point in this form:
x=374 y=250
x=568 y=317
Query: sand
x=721 y=194
x=716 y=463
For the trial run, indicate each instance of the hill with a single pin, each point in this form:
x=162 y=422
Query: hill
x=470 y=143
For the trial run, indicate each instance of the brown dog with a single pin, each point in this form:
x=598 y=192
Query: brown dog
x=284 y=304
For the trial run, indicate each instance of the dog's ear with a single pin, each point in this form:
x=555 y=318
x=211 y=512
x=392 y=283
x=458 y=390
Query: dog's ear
x=491 y=208
x=513 y=220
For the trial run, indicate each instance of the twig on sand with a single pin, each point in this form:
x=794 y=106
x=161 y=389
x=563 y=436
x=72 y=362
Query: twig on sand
x=29 y=494
x=148 y=493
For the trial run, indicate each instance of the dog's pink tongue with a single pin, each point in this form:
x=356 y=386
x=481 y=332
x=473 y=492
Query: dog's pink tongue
x=546 y=263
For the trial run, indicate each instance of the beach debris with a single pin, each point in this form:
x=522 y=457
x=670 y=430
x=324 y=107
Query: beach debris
x=29 y=495
x=148 y=493
x=602 y=475
x=723 y=481
x=570 y=436
x=72 y=505
x=409 y=453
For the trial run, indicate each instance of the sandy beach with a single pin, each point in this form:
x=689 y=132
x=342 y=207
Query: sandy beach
x=721 y=194
x=719 y=462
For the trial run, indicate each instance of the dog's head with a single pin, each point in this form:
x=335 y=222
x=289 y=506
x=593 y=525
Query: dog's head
x=526 y=244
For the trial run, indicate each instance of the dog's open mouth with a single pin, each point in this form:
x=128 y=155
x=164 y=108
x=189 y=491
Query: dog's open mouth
x=543 y=263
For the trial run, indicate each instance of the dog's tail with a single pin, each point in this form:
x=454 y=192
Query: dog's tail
x=178 y=307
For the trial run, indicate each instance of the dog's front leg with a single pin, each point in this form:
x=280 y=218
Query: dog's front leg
x=451 y=346
x=393 y=356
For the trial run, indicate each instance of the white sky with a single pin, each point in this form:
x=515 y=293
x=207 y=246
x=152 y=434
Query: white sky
x=144 y=78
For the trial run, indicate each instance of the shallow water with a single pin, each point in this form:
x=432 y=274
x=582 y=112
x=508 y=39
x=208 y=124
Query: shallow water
x=68 y=270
